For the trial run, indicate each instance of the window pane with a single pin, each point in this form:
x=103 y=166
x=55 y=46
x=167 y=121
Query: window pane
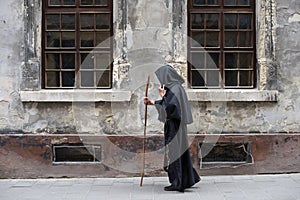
x=197 y=39
x=69 y=2
x=212 y=21
x=231 y=60
x=230 y=21
x=103 y=61
x=68 y=79
x=53 y=79
x=87 y=21
x=231 y=39
x=52 y=22
x=87 y=61
x=246 y=78
x=68 y=61
x=55 y=2
x=68 y=39
x=103 y=78
x=197 y=21
x=52 y=61
x=212 y=2
x=229 y=2
x=231 y=78
x=68 y=22
x=212 y=39
x=246 y=60
x=87 y=79
x=101 y=2
x=102 y=21
x=53 y=39
x=103 y=39
x=198 y=78
x=213 y=78
x=245 y=21
x=197 y=60
x=213 y=61
x=86 y=2
x=87 y=39
x=246 y=39
x=199 y=2
x=243 y=2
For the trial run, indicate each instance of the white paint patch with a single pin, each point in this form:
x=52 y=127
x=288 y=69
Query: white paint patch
x=294 y=18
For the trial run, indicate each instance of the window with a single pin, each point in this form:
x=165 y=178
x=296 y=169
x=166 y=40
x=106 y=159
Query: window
x=224 y=154
x=222 y=43
x=76 y=153
x=77 y=46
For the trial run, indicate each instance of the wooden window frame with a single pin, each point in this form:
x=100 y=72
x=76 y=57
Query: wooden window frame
x=222 y=10
x=78 y=50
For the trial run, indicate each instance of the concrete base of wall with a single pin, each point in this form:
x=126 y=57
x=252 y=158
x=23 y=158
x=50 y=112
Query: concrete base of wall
x=31 y=156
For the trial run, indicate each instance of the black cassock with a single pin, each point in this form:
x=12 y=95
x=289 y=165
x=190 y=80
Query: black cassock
x=174 y=111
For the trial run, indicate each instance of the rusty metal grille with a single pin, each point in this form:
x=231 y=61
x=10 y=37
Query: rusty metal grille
x=221 y=46
x=77 y=44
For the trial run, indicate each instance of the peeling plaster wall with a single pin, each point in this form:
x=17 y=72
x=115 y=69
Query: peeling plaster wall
x=11 y=58
x=288 y=58
x=148 y=34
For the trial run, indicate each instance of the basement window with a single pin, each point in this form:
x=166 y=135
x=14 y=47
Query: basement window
x=76 y=153
x=224 y=154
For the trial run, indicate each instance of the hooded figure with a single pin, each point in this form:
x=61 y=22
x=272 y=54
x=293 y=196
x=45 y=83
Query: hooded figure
x=174 y=111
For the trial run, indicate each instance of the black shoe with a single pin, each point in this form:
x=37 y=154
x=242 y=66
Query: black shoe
x=197 y=180
x=171 y=188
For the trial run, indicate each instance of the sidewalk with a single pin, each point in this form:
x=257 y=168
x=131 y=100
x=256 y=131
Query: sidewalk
x=259 y=187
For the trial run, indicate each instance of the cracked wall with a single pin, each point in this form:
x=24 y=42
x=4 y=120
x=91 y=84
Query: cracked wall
x=11 y=58
x=148 y=34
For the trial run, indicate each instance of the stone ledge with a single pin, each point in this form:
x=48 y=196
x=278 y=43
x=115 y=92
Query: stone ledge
x=245 y=95
x=121 y=96
x=75 y=96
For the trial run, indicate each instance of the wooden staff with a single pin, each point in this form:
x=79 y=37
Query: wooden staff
x=144 y=138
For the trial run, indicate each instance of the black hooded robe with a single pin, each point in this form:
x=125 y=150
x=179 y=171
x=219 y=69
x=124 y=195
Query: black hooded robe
x=175 y=112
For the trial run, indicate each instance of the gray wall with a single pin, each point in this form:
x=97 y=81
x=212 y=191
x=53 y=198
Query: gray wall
x=11 y=59
x=147 y=35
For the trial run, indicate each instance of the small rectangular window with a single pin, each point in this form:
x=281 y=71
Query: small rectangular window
x=224 y=154
x=76 y=153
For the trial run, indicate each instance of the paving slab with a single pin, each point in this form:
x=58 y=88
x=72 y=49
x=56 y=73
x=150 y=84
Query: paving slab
x=254 y=187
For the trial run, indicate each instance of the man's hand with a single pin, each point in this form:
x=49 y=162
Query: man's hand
x=147 y=101
x=162 y=90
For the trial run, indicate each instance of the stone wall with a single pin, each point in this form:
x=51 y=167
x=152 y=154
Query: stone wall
x=148 y=34
x=31 y=156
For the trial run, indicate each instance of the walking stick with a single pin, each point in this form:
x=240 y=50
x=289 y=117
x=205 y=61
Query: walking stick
x=144 y=138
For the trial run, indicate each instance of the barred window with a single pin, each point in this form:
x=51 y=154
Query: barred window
x=221 y=46
x=77 y=45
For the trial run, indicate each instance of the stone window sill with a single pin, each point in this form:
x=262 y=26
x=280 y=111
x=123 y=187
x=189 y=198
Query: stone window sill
x=242 y=95
x=121 y=96
x=75 y=96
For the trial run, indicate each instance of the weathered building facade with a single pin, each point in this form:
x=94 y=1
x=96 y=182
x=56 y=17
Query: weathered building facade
x=48 y=107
